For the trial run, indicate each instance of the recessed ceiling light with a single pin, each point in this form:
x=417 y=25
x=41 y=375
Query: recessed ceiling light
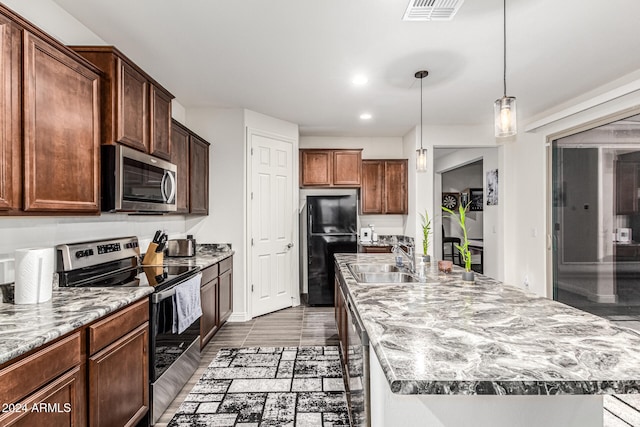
x=359 y=80
x=365 y=116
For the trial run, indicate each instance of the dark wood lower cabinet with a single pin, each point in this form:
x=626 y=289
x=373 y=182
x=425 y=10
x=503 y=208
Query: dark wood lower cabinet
x=58 y=385
x=118 y=367
x=59 y=404
x=209 y=319
x=226 y=296
x=119 y=381
x=342 y=320
x=374 y=249
x=216 y=295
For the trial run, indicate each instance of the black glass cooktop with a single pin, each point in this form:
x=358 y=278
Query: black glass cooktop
x=123 y=274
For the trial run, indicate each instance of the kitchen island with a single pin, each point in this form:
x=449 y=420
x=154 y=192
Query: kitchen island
x=454 y=353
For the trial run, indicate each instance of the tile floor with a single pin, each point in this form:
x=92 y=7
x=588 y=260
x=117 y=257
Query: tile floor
x=292 y=327
x=309 y=326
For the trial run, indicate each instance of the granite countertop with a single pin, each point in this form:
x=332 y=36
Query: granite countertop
x=447 y=336
x=388 y=240
x=26 y=327
x=206 y=255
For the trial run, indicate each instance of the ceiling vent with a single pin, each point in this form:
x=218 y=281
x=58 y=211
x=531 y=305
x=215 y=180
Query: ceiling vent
x=431 y=10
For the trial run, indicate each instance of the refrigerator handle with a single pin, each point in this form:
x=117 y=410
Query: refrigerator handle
x=310 y=214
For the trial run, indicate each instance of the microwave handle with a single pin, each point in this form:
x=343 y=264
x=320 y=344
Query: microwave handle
x=163 y=187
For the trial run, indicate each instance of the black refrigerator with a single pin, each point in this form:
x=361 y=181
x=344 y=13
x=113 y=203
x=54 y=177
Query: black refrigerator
x=331 y=228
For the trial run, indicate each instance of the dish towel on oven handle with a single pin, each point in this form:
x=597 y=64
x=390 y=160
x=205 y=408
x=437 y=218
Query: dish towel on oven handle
x=186 y=304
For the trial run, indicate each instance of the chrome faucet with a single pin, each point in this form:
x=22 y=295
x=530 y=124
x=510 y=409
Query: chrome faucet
x=409 y=254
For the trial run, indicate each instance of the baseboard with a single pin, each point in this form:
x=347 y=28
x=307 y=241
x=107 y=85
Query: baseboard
x=599 y=298
x=239 y=317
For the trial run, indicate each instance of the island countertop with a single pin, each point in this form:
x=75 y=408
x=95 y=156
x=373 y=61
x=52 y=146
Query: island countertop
x=453 y=337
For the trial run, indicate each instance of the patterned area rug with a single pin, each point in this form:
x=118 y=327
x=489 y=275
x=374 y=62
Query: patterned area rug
x=268 y=386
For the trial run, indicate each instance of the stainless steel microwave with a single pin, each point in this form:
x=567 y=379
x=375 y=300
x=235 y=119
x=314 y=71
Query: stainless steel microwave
x=133 y=181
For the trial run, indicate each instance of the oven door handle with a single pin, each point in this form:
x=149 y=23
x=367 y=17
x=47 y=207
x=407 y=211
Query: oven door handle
x=161 y=296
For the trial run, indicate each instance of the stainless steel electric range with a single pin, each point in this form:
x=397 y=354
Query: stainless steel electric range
x=174 y=357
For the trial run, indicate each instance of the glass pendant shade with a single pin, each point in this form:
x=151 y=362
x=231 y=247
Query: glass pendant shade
x=505 y=116
x=421 y=159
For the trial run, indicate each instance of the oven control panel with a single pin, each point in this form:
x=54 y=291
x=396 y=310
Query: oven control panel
x=88 y=254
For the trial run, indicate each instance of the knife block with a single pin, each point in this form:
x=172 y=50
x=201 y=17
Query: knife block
x=152 y=257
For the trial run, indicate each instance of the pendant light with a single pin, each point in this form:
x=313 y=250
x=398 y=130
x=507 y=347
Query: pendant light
x=421 y=153
x=505 y=108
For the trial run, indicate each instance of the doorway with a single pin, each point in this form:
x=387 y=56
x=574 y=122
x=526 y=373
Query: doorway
x=596 y=220
x=463 y=186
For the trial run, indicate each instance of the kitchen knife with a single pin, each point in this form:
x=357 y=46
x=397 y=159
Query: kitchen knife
x=161 y=242
x=156 y=237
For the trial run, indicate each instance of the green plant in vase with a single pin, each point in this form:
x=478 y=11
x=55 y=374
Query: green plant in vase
x=463 y=248
x=426 y=231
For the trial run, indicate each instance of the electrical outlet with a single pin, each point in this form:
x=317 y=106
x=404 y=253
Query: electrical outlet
x=525 y=282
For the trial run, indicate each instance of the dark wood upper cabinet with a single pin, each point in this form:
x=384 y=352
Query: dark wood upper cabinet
x=384 y=187
x=10 y=116
x=316 y=168
x=395 y=187
x=627 y=186
x=61 y=130
x=372 y=186
x=347 y=167
x=136 y=109
x=190 y=154
x=132 y=94
x=160 y=137
x=330 y=168
x=199 y=176
x=180 y=158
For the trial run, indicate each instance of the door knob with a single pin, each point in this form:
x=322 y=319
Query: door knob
x=290 y=245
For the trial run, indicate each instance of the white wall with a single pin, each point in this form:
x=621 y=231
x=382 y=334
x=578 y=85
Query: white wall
x=226 y=130
x=53 y=19
x=372 y=148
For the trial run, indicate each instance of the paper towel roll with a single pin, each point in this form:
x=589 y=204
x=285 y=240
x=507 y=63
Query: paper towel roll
x=33 y=275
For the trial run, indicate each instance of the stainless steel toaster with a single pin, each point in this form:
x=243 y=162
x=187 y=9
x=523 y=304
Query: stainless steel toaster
x=181 y=247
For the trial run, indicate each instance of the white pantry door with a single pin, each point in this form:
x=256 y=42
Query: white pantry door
x=272 y=223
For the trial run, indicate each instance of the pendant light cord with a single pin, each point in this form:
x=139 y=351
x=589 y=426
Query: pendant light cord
x=421 y=112
x=504 y=46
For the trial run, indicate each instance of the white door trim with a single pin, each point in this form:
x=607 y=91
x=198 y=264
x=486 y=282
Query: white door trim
x=295 y=292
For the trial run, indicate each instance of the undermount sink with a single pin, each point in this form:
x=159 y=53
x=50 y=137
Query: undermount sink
x=385 y=278
x=372 y=268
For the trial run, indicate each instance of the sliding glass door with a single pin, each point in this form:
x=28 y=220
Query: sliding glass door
x=596 y=220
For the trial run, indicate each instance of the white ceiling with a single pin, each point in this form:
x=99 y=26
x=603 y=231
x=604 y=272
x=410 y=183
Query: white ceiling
x=294 y=59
